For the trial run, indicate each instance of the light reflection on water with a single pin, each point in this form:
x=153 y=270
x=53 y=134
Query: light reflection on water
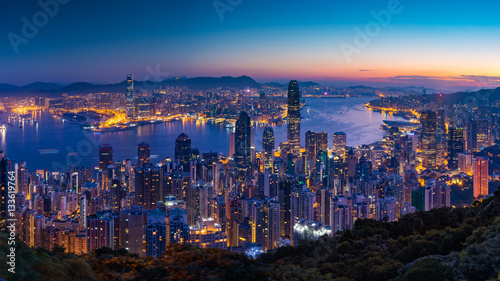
x=30 y=142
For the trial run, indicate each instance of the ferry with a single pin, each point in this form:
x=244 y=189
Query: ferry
x=229 y=125
x=401 y=124
x=48 y=151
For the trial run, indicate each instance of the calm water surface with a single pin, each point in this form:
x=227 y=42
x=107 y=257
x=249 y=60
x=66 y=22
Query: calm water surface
x=54 y=143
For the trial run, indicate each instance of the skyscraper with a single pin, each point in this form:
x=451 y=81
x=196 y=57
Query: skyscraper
x=143 y=108
x=311 y=147
x=284 y=193
x=455 y=146
x=471 y=135
x=293 y=124
x=148 y=182
x=339 y=144
x=143 y=153
x=483 y=133
x=183 y=150
x=429 y=153
x=130 y=95
x=105 y=156
x=441 y=142
x=231 y=144
x=441 y=121
x=478 y=134
x=322 y=141
x=480 y=176
x=208 y=234
x=156 y=239
x=242 y=144
x=268 y=147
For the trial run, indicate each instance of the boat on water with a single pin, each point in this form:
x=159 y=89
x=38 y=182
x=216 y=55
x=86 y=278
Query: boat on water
x=3 y=128
x=48 y=151
x=401 y=124
x=229 y=125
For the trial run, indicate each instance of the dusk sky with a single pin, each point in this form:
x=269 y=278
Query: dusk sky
x=446 y=45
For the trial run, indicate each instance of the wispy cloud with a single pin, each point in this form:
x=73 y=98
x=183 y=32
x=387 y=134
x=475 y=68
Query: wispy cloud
x=460 y=78
x=450 y=83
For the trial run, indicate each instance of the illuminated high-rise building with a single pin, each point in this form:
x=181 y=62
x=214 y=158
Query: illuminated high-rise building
x=465 y=163
x=105 y=156
x=130 y=95
x=272 y=219
x=183 y=150
x=148 y=184
x=132 y=234
x=455 y=146
x=311 y=145
x=100 y=231
x=293 y=123
x=83 y=213
x=232 y=144
x=471 y=136
x=156 y=239
x=284 y=193
x=143 y=153
x=243 y=134
x=268 y=147
x=143 y=106
x=483 y=133
x=207 y=234
x=441 y=124
x=478 y=134
x=322 y=141
x=480 y=176
x=429 y=152
x=339 y=144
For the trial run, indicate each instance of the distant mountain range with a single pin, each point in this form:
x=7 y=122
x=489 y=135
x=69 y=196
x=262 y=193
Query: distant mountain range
x=201 y=83
x=197 y=83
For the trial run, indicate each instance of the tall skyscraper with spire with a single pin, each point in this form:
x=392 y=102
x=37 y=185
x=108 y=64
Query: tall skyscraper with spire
x=130 y=95
x=293 y=124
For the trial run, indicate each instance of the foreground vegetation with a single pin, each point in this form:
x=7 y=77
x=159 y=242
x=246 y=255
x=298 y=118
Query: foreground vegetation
x=442 y=244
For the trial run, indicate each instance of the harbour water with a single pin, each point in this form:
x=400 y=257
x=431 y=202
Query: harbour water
x=53 y=143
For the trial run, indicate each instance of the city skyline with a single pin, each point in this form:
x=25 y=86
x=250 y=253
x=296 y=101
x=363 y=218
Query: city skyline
x=249 y=140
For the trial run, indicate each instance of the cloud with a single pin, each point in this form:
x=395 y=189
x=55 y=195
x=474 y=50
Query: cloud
x=450 y=83
x=365 y=70
x=460 y=78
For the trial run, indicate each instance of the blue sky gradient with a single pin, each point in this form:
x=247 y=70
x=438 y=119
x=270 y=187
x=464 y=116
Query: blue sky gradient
x=444 y=43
